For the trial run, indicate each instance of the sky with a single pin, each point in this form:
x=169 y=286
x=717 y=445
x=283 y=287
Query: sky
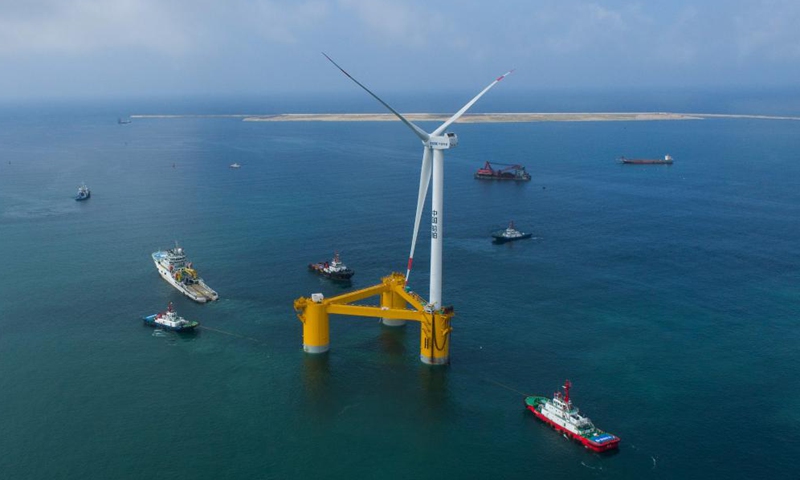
x=113 y=48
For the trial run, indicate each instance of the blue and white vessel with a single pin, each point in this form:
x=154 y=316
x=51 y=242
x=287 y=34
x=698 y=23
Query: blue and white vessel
x=83 y=193
x=170 y=320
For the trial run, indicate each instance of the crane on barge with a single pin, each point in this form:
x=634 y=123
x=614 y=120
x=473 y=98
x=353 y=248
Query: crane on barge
x=510 y=172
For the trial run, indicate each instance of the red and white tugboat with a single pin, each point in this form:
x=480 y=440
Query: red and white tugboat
x=560 y=414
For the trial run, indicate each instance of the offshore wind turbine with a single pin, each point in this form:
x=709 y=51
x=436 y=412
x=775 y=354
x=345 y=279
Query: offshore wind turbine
x=434 y=144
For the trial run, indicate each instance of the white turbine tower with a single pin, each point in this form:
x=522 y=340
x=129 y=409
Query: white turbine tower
x=434 y=145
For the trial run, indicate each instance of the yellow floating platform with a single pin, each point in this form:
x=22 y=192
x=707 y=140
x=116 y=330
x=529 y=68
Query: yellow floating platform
x=396 y=305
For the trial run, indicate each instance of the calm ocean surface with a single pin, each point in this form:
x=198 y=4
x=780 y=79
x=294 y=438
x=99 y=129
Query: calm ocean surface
x=668 y=295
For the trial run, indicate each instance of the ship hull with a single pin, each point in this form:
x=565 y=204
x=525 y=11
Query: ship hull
x=610 y=442
x=481 y=176
x=81 y=198
x=502 y=239
x=199 y=292
x=645 y=161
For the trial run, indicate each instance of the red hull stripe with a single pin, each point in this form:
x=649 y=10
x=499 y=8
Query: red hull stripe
x=585 y=441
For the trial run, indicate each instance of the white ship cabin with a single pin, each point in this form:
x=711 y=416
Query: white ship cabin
x=336 y=264
x=176 y=257
x=568 y=413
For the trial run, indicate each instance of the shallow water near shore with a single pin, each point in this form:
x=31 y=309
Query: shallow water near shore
x=666 y=294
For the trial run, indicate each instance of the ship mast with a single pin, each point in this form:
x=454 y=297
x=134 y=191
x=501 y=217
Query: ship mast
x=567 y=385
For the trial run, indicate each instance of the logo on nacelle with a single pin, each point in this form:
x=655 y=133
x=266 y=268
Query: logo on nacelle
x=443 y=142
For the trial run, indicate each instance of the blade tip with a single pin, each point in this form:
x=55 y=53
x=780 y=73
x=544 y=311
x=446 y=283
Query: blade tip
x=505 y=74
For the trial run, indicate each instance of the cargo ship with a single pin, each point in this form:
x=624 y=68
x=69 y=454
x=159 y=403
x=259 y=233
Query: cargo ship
x=170 y=320
x=509 y=234
x=335 y=269
x=667 y=160
x=560 y=414
x=174 y=268
x=509 y=172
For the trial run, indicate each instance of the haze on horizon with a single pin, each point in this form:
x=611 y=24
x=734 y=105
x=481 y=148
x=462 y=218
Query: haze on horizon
x=130 y=48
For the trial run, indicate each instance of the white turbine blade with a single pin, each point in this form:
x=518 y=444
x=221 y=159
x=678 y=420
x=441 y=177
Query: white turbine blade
x=424 y=181
x=466 y=107
x=418 y=131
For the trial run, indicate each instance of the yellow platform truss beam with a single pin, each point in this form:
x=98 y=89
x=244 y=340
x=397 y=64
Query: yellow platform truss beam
x=396 y=304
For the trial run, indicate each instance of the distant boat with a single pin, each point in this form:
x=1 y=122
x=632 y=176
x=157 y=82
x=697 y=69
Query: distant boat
x=509 y=234
x=667 y=160
x=235 y=165
x=510 y=172
x=123 y=121
x=83 y=193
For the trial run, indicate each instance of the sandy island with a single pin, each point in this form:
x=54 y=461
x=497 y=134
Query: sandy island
x=475 y=117
x=469 y=118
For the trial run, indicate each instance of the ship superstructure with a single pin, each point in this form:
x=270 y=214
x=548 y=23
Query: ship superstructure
x=178 y=272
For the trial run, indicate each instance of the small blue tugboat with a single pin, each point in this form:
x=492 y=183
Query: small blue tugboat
x=83 y=193
x=170 y=320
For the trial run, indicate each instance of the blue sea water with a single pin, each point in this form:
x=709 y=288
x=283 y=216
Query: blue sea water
x=666 y=294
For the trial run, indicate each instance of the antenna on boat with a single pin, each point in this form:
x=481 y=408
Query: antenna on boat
x=567 y=385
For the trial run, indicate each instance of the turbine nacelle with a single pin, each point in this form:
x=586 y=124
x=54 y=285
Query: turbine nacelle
x=442 y=142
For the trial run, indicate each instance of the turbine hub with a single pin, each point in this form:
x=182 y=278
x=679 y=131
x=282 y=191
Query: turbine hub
x=443 y=142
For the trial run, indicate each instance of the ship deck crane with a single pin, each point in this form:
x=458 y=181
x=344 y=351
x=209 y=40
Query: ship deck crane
x=510 y=172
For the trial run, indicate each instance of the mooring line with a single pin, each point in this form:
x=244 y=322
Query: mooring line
x=507 y=387
x=245 y=337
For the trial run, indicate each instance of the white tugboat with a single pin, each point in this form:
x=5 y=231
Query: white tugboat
x=174 y=268
x=560 y=414
x=170 y=320
x=509 y=234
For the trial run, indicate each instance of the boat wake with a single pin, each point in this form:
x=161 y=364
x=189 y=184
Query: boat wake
x=591 y=467
x=231 y=334
x=347 y=407
x=29 y=210
x=170 y=338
